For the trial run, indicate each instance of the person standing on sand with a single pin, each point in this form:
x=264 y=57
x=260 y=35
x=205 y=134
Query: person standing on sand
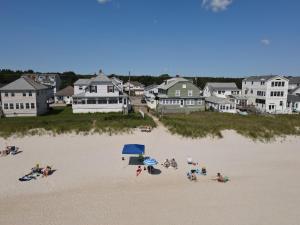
x=139 y=170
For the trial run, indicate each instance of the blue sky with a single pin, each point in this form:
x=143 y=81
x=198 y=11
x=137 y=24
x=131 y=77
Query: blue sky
x=186 y=37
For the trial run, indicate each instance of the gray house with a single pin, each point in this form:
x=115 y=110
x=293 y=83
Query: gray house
x=179 y=95
x=24 y=97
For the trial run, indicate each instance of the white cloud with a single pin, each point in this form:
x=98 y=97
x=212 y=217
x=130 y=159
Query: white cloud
x=265 y=41
x=103 y=1
x=216 y=5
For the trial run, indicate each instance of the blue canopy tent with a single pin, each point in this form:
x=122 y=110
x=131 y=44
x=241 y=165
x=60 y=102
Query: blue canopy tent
x=133 y=149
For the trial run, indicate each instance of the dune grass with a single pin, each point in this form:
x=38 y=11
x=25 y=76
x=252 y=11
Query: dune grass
x=62 y=120
x=257 y=127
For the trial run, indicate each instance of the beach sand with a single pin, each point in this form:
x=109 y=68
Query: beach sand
x=93 y=186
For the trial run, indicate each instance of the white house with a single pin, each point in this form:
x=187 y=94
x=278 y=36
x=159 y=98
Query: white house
x=98 y=94
x=24 y=97
x=221 y=90
x=267 y=93
x=294 y=82
x=65 y=95
x=220 y=104
x=118 y=82
x=134 y=87
x=293 y=103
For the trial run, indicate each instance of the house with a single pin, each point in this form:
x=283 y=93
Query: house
x=293 y=103
x=267 y=93
x=118 y=82
x=295 y=91
x=240 y=100
x=48 y=79
x=24 y=97
x=220 y=104
x=65 y=95
x=294 y=82
x=151 y=91
x=134 y=88
x=179 y=95
x=220 y=90
x=99 y=94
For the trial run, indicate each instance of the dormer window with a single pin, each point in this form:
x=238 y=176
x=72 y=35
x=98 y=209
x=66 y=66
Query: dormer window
x=110 y=89
x=93 y=89
x=184 y=86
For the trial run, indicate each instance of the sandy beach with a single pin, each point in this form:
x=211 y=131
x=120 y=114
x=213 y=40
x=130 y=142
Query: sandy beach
x=92 y=185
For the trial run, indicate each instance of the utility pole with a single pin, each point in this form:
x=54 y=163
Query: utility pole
x=129 y=84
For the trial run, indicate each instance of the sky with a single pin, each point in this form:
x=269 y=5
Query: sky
x=232 y=38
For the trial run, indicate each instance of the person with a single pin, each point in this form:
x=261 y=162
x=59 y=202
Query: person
x=220 y=178
x=166 y=163
x=46 y=171
x=174 y=163
x=36 y=169
x=193 y=177
x=203 y=170
x=139 y=170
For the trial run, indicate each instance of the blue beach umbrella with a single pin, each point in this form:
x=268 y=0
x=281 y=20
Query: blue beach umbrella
x=150 y=162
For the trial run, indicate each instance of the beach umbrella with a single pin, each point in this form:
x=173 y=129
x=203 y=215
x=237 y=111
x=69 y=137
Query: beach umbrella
x=150 y=162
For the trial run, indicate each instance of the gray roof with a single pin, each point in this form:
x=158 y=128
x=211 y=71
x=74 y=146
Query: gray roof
x=293 y=98
x=217 y=100
x=67 y=91
x=171 y=82
x=1 y=85
x=100 y=79
x=136 y=83
x=294 y=90
x=221 y=86
x=82 y=82
x=294 y=80
x=261 y=78
x=23 y=84
x=238 y=97
x=151 y=87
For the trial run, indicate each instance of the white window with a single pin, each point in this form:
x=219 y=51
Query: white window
x=190 y=93
x=177 y=93
x=5 y=106
x=184 y=86
x=30 y=93
x=27 y=105
x=17 y=105
x=21 y=106
x=11 y=106
x=32 y=105
x=199 y=102
x=6 y=94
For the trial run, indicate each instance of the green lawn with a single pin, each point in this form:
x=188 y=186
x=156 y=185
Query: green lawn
x=62 y=120
x=204 y=124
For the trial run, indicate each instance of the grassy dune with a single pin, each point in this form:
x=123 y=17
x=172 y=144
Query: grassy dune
x=204 y=124
x=62 y=120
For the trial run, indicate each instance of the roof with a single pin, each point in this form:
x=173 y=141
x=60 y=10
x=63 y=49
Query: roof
x=294 y=90
x=100 y=79
x=239 y=97
x=136 y=83
x=82 y=82
x=117 y=79
x=152 y=86
x=23 y=83
x=134 y=149
x=221 y=86
x=262 y=78
x=67 y=91
x=293 y=98
x=294 y=80
x=1 y=85
x=218 y=100
x=171 y=82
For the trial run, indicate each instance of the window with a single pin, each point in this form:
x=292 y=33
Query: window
x=120 y=100
x=91 y=101
x=262 y=83
x=21 y=106
x=93 y=89
x=281 y=103
x=5 y=106
x=11 y=106
x=184 y=86
x=251 y=91
x=190 y=93
x=283 y=84
x=30 y=93
x=219 y=92
x=80 y=87
x=252 y=83
x=27 y=106
x=272 y=93
x=177 y=93
x=271 y=107
x=17 y=106
x=32 y=105
x=113 y=101
x=12 y=94
x=6 y=94
x=272 y=84
x=24 y=94
x=199 y=102
x=110 y=89
x=102 y=101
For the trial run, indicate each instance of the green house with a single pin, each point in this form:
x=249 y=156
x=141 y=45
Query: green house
x=179 y=95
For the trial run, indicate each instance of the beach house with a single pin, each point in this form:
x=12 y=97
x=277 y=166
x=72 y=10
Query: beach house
x=218 y=104
x=293 y=103
x=294 y=82
x=99 y=94
x=24 y=97
x=64 y=95
x=267 y=93
x=179 y=95
x=134 y=87
x=221 y=90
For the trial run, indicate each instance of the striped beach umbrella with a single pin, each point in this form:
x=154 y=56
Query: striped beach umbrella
x=150 y=162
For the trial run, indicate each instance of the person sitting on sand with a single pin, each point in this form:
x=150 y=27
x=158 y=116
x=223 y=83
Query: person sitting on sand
x=46 y=171
x=166 y=163
x=203 y=170
x=36 y=169
x=220 y=178
x=193 y=177
x=174 y=163
x=139 y=170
